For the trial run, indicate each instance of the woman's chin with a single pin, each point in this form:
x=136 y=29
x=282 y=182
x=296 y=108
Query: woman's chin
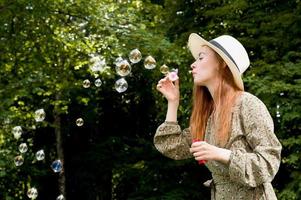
x=198 y=83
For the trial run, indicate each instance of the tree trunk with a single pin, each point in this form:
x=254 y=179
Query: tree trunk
x=59 y=150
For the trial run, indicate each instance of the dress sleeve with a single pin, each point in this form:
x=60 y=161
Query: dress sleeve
x=172 y=142
x=261 y=165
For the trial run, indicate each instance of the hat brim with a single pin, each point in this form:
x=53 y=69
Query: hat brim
x=195 y=43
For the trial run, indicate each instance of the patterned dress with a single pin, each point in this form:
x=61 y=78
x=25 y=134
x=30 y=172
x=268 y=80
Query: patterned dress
x=255 y=156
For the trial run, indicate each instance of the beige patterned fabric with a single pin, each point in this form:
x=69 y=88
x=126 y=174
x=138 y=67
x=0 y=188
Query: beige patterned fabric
x=255 y=156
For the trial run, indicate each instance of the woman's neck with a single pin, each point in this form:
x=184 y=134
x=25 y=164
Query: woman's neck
x=214 y=89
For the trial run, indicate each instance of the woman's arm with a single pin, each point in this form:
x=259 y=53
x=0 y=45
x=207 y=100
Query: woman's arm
x=172 y=142
x=169 y=139
x=262 y=164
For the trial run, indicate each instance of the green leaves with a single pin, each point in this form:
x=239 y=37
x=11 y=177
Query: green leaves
x=45 y=51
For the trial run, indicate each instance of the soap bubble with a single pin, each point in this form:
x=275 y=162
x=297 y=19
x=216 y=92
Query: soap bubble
x=39 y=115
x=86 y=83
x=118 y=60
x=19 y=160
x=97 y=63
x=79 y=122
x=57 y=166
x=123 y=68
x=164 y=69
x=23 y=147
x=17 y=132
x=32 y=193
x=121 y=85
x=60 y=197
x=98 y=82
x=278 y=114
x=173 y=75
x=135 y=56
x=40 y=155
x=149 y=62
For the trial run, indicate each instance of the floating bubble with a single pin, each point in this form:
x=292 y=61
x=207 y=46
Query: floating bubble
x=164 y=69
x=19 y=160
x=32 y=193
x=118 y=60
x=135 y=56
x=98 y=82
x=123 y=68
x=173 y=75
x=149 y=62
x=17 y=132
x=23 y=147
x=57 y=166
x=96 y=68
x=121 y=85
x=39 y=115
x=97 y=64
x=86 y=83
x=40 y=155
x=60 y=197
x=79 y=122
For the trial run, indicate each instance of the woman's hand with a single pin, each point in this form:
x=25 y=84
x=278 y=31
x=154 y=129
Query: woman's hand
x=169 y=89
x=204 y=151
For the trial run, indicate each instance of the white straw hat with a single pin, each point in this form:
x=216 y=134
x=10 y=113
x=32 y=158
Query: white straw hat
x=229 y=48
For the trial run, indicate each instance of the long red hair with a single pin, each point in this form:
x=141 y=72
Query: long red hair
x=220 y=109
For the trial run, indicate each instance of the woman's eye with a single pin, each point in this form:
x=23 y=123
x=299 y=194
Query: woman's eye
x=200 y=58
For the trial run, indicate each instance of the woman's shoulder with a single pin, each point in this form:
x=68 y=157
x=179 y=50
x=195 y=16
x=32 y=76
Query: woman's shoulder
x=250 y=102
x=248 y=98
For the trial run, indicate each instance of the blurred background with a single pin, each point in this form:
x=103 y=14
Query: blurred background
x=69 y=131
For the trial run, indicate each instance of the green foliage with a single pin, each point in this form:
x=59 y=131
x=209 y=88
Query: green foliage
x=45 y=50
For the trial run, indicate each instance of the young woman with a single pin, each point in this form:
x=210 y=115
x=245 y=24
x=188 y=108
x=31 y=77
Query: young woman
x=233 y=129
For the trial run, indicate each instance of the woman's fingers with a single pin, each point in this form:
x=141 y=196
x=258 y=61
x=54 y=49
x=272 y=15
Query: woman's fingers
x=199 y=153
x=177 y=83
x=198 y=144
x=196 y=149
x=164 y=82
x=161 y=81
x=200 y=150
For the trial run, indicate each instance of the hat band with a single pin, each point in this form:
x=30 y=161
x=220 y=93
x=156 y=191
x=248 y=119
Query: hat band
x=215 y=43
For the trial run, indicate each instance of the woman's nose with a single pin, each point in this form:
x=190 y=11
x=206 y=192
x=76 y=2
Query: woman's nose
x=192 y=65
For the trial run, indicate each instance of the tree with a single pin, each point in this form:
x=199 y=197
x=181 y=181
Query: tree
x=46 y=48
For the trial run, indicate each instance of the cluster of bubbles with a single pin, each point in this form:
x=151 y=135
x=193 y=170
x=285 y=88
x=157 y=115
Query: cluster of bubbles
x=278 y=114
x=123 y=68
x=56 y=166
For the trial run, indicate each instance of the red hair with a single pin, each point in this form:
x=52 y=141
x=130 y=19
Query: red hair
x=220 y=109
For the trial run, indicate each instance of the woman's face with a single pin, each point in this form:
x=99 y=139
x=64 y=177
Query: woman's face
x=206 y=67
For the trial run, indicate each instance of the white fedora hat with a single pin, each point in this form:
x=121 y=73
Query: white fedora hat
x=229 y=48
